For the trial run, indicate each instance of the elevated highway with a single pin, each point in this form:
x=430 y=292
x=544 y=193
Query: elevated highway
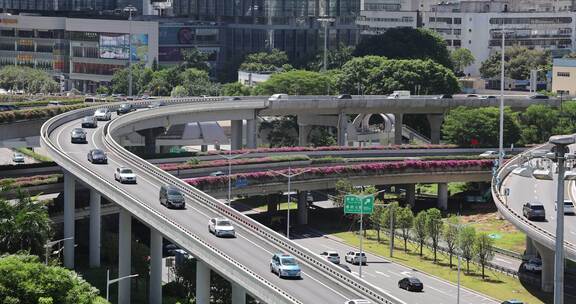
x=243 y=260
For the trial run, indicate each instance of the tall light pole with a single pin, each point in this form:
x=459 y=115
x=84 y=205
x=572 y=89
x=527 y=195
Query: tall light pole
x=230 y=157
x=325 y=20
x=130 y=9
x=289 y=175
x=110 y=282
x=458 y=229
x=50 y=244
x=501 y=132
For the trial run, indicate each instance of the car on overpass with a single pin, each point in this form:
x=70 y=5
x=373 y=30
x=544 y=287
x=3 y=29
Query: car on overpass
x=533 y=265
x=411 y=284
x=277 y=97
x=78 y=135
x=512 y=302
x=285 y=266
x=103 y=114
x=18 y=157
x=331 y=256
x=357 y=301
x=89 y=122
x=353 y=257
x=172 y=197
x=125 y=108
x=489 y=154
x=125 y=175
x=568 y=207
x=221 y=227
x=534 y=211
x=97 y=156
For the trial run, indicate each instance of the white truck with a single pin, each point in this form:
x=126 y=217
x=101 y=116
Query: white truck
x=399 y=95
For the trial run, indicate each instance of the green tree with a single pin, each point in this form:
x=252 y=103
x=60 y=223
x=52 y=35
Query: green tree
x=483 y=249
x=388 y=220
x=405 y=222
x=272 y=61
x=235 y=89
x=518 y=61
x=375 y=219
x=406 y=43
x=461 y=58
x=194 y=59
x=179 y=91
x=28 y=79
x=25 y=224
x=322 y=138
x=450 y=235
x=342 y=187
x=336 y=58
x=198 y=83
x=538 y=123
x=102 y=90
x=283 y=132
x=434 y=227
x=466 y=239
x=24 y=279
x=296 y=82
x=420 y=229
x=464 y=125
x=357 y=72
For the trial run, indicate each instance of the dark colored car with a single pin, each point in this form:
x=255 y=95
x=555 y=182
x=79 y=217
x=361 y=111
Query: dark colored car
x=78 y=136
x=512 y=302
x=344 y=96
x=446 y=96
x=8 y=108
x=234 y=98
x=411 y=284
x=171 y=197
x=97 y=156
x=89 y=122
x=125 y=108
x=539 y=96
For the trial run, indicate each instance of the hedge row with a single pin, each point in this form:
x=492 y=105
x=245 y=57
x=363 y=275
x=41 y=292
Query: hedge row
x=39 y=113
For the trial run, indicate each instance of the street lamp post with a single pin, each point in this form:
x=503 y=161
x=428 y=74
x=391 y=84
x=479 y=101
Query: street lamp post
x=325 y=20
x=50 y=244
x=110 y=282
x=290 y=175
x=458 y=228
x=230 y=157
x=501 y=107
x=130 y=9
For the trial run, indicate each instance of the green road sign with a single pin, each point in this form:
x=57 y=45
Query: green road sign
x=357 y=204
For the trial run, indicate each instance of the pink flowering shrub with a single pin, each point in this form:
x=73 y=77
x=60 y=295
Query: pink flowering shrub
x=345 y=170
x=224 y=162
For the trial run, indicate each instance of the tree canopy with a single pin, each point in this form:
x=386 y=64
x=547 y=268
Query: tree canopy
x=406 y=43
x=296 y=82
x=274 y=60
x=461 y=58
x=480 y=126
x=335 y=58
x=518 y=61
x=27 y=79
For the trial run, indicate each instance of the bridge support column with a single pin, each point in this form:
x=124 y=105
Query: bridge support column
x=155 y=267
x=95 y=218
x=547 y=256
x=124 y=255
x=530 y=248
x=303 y=132
x=150 y=139
x=251 y=134
x=398 y=123
x=204 y=148
x=302 y=208
x=238 y=294
x=435 y=121
x=442 y=196
x=69 y=209
x=342 y=127
x=236 y=134
x=411 y=195
x=202 y=282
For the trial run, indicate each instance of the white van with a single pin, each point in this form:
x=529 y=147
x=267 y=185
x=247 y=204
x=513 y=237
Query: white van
x=399 y=95
x=278 y=97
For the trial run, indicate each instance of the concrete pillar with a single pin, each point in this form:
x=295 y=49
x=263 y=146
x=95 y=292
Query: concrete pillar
x=124 y=255
x=238 y=294
x=547 y=256
x=530 y=248
x=95 y=218
x=69 y=206
x=302 y=208
x=251 y=134
x=442 y=196
x=204 y=148
x=342 y=127
x=435 y=121
x=411 y=195
x=202 y=282
x=398 y=123
x=236 y=134
x=155 y=267
x=303 y=132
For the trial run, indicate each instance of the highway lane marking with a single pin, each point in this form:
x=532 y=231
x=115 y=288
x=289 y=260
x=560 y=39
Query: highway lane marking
x=440 y=291
x=382 y=274
x=396 y=274
x=503 y=260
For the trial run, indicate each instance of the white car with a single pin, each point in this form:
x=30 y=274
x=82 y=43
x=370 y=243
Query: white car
x=103 y=114
x=568 y=207
x=357 y=301
x=354 y=257
x=18 y=157
x=125 y=175
x=331 y=256
x=489 y=154
x=277 y=97
x=533 y=265
x=221 y=227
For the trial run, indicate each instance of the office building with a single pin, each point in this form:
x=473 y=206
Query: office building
x=564 y=76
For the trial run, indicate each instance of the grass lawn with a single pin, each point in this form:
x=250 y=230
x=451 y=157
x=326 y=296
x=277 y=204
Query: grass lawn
x=496 y=285
x=506 y=235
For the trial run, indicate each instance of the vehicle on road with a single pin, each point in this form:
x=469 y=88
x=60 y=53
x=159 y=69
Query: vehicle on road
x=568 y=207
x=125 y=175
x=156 y=104
x=512 y=302
x=54 y=103
x=539 y=96
x=489 y=154
x=97 y=156
x=357 y=301
x=125 y=108
x=221 y=227
x=344 y=96
x=234 y=98
x=89 y=122
x=78 y=135
x=353 y=257
x=171 y=197
x=472 y=96
x=534 y=211
x=277 y=97
x=345 y=267
x=411 y=284
x=18 y=157
x=103 y=114
x=399 y=95
x=217 y=173
x=331 y=256
x=285 y=266
x=8 y=108
x=533 y=265
x=445 y=96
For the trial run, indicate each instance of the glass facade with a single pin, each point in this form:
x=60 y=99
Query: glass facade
x=59 y=5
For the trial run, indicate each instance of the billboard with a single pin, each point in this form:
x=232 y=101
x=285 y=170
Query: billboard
x=117 y=46
x=139 y=50
x=176 y=35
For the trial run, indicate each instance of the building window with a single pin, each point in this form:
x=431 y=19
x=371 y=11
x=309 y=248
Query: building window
x=456 y=43
x=563 y=74
x=457 y=20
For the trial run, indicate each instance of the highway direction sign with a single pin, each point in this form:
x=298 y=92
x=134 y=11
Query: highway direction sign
x=358 y=204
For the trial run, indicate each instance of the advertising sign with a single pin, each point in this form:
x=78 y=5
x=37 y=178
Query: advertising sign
x=139 y=49
x=176 y=35
x=114 y=46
